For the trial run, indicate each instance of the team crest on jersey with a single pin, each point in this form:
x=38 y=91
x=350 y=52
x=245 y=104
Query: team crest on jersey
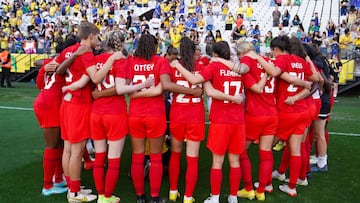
x=68 y=54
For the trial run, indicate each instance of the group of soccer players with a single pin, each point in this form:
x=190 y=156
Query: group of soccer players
x=255 y=99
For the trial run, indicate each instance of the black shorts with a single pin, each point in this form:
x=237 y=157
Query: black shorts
x=325 y=106
x=336 y=78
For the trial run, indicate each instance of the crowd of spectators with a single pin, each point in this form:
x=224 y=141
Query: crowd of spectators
x=52 y=20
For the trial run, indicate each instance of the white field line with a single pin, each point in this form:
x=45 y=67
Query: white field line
x=30 y=109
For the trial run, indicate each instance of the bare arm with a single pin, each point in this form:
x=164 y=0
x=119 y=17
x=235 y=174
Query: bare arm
x=295 y=80
x=236 y=67
x=65 y=64
x=214 y=93
x=77 y=84
x=103 y=93
x=301 y=95
x=151 y=92
x=122 y=86
x=193 y=79
x=169 y=85
x=268 y=67
x=259 y=86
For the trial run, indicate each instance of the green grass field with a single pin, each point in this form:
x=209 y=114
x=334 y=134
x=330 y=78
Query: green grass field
x=21 y=149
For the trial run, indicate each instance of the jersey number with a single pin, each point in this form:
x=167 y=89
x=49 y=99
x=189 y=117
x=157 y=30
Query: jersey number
x=181 y=97
x=105 y=84
x=292 y=87
x=270 y=84
x=227 y=85
x=141 y=79
x=49 y=81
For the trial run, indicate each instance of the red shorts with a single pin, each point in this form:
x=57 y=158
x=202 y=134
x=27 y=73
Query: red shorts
x=108 y=127
x=147 y=127
x=194 y=132
x=47 y=118
x=292 y=123
x=257 y=126
x=75 y=122
x=226 y=137
x=315 y=109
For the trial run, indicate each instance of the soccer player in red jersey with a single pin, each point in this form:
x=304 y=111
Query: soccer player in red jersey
x=47 y=111
x=293 y=116
x=187 y=121
x=109 y=120
x=147 y=117
x=227 y=128
x=76 y=106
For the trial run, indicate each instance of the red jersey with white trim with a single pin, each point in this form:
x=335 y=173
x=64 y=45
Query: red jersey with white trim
x=75 y=71
x=186 y=108
x=50 y=85
x=297 y=67
x=113 y=104
x=227 y=82
x=139 y=70
x=263 y=103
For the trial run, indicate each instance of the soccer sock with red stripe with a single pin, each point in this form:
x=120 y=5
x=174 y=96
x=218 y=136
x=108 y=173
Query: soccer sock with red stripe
x=174 y=170
x=265 y=169
x=155 y=174
x=305 y=158
x=234 y=180
x=137 y=172
x=295 y=166
x=98 y=172
x=58 y=169
x=191 y=175
x=285 y=158
x=112 y=176
x=246 y=170
x=215 y=181
x=49 y=163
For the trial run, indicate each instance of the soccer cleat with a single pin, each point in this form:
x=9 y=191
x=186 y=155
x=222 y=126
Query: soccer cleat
x=313 y=159
x=141 y=199
x=173 y=196
x=61 y=184
x=157 y=200
x=289 y=191
x=316 y=168
x=243 y=193
x=276 y=175
x=211 y=199
x=100 y=199
x=54 y=190
x=85 y=191
x=268 y=188
x=300 y=182
x=232 y=199
x=190 y=200
x=112 y=199
x=279 y=146
x=81 y=197
x=260 y=196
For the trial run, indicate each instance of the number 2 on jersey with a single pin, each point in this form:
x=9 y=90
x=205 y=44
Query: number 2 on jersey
x=181 y=97
x=291 y=87
x=142 y=79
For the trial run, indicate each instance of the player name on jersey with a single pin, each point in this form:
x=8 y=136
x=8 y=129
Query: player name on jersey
x=143 y=67
x=229 y=73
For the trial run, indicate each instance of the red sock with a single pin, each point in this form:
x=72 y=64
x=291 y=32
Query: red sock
x=265 y=169
x=112 y=176
x=174 y=170
x=308 y=144
x=234 y=180
x=305 y=158
x=137 y=173
x=74 y=185
x=98 y=172
x=191 y=175
x=58 y=169
x=215 y=181
x=68 y=182
x=49 y=163
x=246 y=170
x=155 y=174
x=284 y=160
x=295 y=166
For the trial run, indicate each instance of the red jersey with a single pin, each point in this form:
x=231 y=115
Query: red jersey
x=263 y=103
x=50 y=85
x=186 y=108
x=230 y=83
x=297 y=67
x=113 y=104
x=139 y=70
x=75 y=71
